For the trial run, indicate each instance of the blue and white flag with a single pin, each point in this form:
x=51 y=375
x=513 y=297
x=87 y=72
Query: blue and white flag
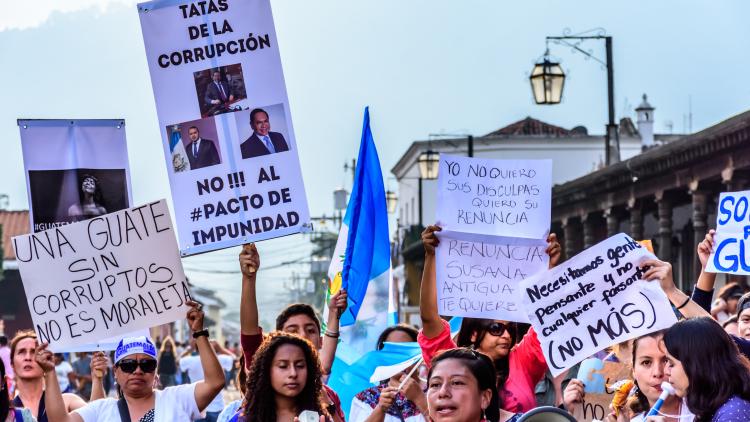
x=361 y=260
x=180 y=160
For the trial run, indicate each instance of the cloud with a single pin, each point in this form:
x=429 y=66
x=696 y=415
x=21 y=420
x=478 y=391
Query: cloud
x=34 y=13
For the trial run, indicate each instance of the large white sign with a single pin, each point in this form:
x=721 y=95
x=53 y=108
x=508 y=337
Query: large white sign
x=225 y=123
x=731 y=252
x=594 y=300
x=508 y=198
x=104 y=277
x=480 y=278
x=75 y=170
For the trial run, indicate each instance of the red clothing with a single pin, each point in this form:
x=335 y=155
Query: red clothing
x=526 y=367
x=251 y=344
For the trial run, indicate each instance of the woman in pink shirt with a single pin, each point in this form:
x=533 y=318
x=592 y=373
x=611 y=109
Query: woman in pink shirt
x=519 y=366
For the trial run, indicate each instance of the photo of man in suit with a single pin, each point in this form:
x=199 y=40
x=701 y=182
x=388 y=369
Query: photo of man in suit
x=262 y=141
x=218 y=94
x=201 y=152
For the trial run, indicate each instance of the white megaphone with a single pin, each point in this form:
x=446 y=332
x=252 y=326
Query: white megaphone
x=666 y=391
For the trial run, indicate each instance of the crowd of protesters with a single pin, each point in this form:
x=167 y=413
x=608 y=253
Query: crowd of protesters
x=491 y=371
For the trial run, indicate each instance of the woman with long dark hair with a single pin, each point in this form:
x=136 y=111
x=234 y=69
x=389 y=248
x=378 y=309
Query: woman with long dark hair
x=519 y=365
x=706 y=368
x=7 y=412
x=283 y=381
x=461 y=387
x=91 y=199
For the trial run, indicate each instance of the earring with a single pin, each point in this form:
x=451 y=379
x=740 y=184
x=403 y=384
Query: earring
x=484 y=416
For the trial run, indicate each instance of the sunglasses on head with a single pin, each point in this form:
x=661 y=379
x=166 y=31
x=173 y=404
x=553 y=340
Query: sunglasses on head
x=498 y=328
x=129 y=365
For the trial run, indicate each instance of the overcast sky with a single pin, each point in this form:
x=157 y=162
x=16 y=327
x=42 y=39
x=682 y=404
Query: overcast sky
x=423 y=66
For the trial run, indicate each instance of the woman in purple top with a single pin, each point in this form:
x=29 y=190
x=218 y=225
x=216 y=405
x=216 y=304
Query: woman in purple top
x=705 y=367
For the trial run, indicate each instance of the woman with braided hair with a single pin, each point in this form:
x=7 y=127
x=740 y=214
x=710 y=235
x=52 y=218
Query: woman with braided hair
x=284 y=381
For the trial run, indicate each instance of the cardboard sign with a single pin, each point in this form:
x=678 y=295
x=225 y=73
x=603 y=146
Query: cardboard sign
x=594 y=300
x=104 y=277
x=480 y=278
x=731 y=252
x=598 y=377
x=509 y=198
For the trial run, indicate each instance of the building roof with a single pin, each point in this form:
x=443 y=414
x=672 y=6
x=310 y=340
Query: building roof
x=531 y=126
x=13 y=223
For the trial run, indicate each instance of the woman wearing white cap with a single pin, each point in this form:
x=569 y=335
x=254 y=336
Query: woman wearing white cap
x=135 y=368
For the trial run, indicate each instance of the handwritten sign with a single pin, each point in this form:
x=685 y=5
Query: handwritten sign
x=731 y=253
x=599 y=376
x=594 y=300
x=104 y=277
x=495 y=197
x=480 y=278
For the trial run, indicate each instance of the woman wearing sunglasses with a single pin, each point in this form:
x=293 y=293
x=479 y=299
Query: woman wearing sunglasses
x=519 y=366
x=135 y=368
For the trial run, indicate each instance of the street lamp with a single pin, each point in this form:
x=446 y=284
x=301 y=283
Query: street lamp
x=547 y=80
x=546 y=75
x=429 y=163
x=391 y=201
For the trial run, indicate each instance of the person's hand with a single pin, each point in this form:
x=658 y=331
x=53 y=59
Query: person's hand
x=661 y=271
x=553 y=250
x=231 y=98
x=387 y=397
x=45 y=358
x=338 y=302
x=411 y=389
x=705 y=248
x=195 y=316
x=573 y=395
x=99 y=364
x=429 y=240
x=249 y=260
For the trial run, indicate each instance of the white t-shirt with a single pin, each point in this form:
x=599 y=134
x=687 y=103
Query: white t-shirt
x=62 y=370
x=685 y=414
x=192 y=364
x=171 y=404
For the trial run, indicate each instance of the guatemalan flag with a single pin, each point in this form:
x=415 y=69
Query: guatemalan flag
x=180 y=160
x=361 y=261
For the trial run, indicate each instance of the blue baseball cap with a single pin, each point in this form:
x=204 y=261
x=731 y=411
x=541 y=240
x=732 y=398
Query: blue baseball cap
x=132 y=345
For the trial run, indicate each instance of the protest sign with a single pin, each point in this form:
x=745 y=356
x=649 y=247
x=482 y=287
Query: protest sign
x=75 y=170
x=594 y=300
x=225 y=123
x=494 y=197
x=598 y=377
x=104 y=277
x=731 y=252
x=480 y=278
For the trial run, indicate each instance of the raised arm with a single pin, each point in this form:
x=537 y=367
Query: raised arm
x=704 y=289
x=662 y=271
x=99 y=366
x=428 y=309
x=213 y=380
x=336 y=307
x=53 y=399
x=249 y=265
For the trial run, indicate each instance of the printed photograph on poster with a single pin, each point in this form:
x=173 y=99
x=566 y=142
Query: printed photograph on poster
x=219 y=89
x=264 y=130
x=194 y=145
x=66 y=196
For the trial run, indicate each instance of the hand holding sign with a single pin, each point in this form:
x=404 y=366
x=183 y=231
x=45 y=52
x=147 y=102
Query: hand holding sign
x=429 y=240
x=249 y=259
x=195 y=316
x=45 y=358
x=553 y=250
x=705 y=248
x=99 y=364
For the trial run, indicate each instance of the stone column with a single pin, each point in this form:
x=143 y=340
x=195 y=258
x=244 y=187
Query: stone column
x=636 y=222
x=613 y=222
x=665 y=227
x=700 y=223
x=589 y=230
x=572 y=232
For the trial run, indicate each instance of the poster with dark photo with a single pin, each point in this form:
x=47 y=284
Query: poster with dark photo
x=219 y=89
x=61 y=197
